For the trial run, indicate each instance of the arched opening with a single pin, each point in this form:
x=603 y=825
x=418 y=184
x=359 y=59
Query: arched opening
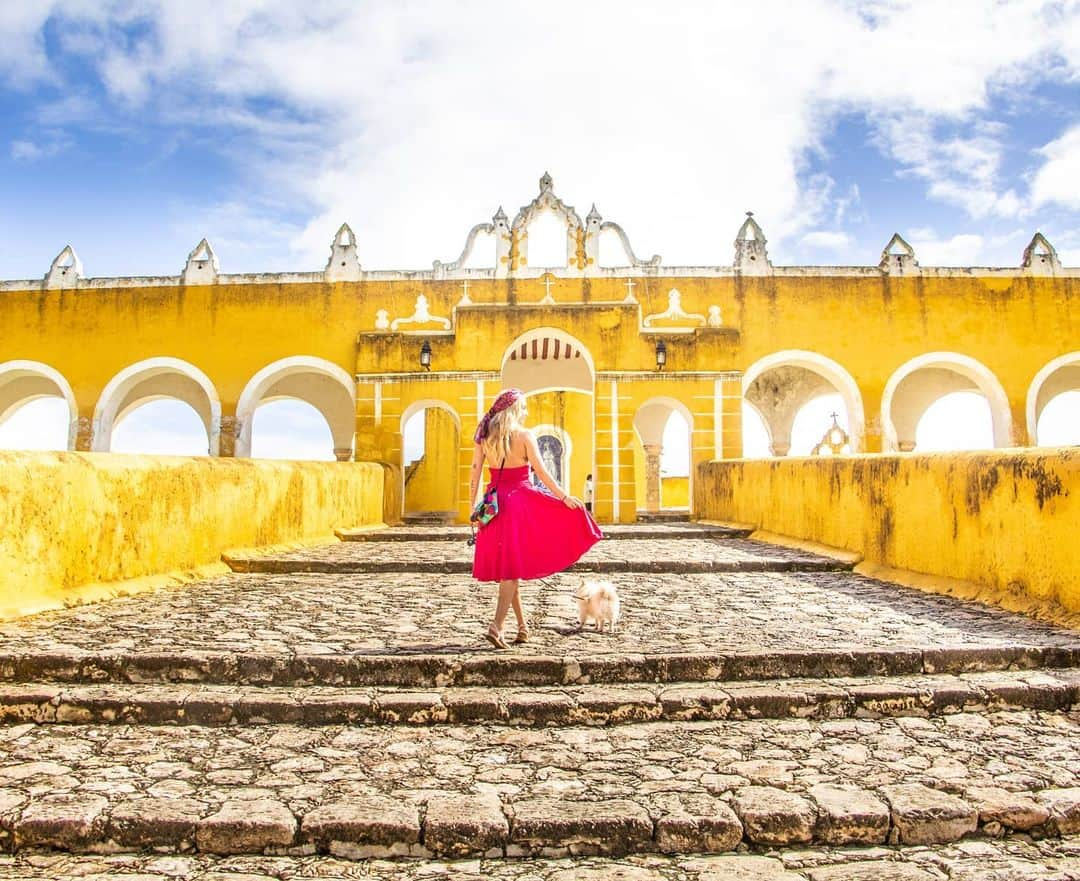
x=757 y=443
x=161 y=427
x=1053 y=403
x=288 y=428
x=956 y=421
x=546 y=241
x=814 y=420
x=166 y=380
x=922 y=381
x=37 y=408
x=663 y=455
x=317 y=382
x=430 y=432
x=1059 y=422
x=780 y=386
x=556 y=373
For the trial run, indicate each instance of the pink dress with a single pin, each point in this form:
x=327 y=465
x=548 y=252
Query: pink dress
x=533 y=535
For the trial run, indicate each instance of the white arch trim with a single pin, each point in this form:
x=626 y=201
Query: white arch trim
x=1036 y=386
x=540 y=333
x=966 y=366
x=418 y=406
x=63 y=386
x=684 y=411
x=253 y=392
x=826 y=368
x=108 y=405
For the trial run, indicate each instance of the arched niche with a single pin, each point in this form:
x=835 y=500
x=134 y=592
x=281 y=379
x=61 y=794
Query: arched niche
x=917 y=383
x=321 y=383
x=1058 y=376
x=546 y=359
x=779 y=385
x=152 y=380
x=22 y=382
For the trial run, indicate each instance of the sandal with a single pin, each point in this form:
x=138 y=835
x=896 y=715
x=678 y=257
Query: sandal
x=522 y=635
x=495 y=637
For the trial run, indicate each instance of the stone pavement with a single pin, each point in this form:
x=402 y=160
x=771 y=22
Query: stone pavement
x=797 y=715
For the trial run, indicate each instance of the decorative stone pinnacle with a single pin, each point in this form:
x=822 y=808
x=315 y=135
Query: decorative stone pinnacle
x=500 y=216
x=546 y=183
x=593 y=214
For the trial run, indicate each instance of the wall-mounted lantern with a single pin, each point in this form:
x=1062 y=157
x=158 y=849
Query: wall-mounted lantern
x=425 y=355
x=661 y=354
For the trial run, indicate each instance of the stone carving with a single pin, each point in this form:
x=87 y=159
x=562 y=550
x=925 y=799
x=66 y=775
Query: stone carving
x=65 y=271
x=491 y=229
x=421 y=316
x=545 y=201
x=751 y=255
x=674 y=315
x=714 y=319
x=596 y=225
x=202 y=265
x=382 y=320
x=898 y=258
x=344 y=262
x=1040 y=258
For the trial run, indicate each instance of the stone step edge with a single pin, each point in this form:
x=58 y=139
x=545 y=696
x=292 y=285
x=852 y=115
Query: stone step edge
x=462 y=825
x=278 y=566
x=509 y=669
x=460 y=534
x=575 y=705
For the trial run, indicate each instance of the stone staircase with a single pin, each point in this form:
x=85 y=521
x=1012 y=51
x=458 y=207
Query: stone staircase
x=761 y=713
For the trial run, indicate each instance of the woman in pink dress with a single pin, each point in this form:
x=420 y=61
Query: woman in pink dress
x=534 y=534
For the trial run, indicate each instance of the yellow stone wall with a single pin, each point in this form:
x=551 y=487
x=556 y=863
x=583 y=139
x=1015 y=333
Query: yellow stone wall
x=675 y=492
x=1003 y=520
x=79 y=526
x=434 y=484
x=572 y=412
x=868 y=323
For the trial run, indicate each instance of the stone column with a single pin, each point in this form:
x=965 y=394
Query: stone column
x=780 y=448
x=343 y=454
x=906 y=446
x=84 y=434
x=652 y=477
x=230 y=430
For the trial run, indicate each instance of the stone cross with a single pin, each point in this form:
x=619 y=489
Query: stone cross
x=629 y=284
x=465 y=300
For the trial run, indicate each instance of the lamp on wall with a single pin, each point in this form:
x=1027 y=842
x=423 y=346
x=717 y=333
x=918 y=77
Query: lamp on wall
x=661 y=354
x=425 y=355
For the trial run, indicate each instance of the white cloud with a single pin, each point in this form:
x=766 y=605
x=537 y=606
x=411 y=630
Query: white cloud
x=964 y=249
x=826 y=241
x=1058 y=180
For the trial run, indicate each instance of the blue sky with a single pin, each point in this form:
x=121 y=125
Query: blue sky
x=132 y=128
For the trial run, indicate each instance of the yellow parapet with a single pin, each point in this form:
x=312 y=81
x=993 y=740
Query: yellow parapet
x=996 y=525
x=81 y=526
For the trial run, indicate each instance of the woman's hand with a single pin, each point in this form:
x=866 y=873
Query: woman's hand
x=572 y=502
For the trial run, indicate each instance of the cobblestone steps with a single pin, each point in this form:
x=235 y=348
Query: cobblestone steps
x=478 y=790
x=869 y=697
x=667 y=556
x=989 y=860
x=641 y=532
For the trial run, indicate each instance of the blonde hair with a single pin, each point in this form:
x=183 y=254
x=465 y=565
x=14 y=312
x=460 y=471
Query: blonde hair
x=502 y=428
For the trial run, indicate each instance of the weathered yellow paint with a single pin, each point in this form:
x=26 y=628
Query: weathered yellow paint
x=433 y=483
x=869 y=323
x=72 y=524
x=569 y=413
x=1003 y=520
x=674 y=492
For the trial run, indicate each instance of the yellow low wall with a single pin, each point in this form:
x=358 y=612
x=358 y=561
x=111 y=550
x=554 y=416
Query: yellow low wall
x=674 y=492
x=1005 y=521
x=74 y=525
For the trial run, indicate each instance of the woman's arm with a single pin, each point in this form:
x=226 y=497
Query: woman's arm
x=533 y=452
x=475 y=473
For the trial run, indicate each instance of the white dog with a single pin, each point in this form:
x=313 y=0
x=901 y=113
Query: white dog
x=597 y=601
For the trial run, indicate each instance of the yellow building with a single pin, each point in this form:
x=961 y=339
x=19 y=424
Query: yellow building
x=606 y=354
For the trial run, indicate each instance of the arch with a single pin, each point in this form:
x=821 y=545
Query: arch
x=825 y=368
x=26 y=381
x=1035 y=399
x=650 y=420
x=564 y=361
x=153 y=379
x=964 y=366
x=752 y=406
x=439 y=479
x=421 y=405
x=285 y=378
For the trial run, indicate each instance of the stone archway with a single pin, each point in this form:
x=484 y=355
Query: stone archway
x=1058 y=376
x=430 y=484
x=321 y=383
x=779 y=385
x=151 y=380
x=24 y=381
x=650 y=423
x=917 y=383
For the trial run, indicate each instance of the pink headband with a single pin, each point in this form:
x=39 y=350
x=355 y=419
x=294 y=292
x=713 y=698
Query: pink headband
x=507 y=399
